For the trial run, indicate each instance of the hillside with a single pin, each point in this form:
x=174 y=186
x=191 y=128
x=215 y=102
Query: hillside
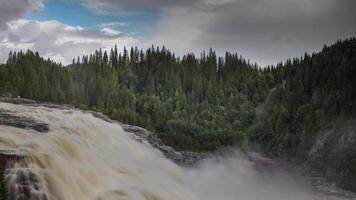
x=200 y=103
x=194 y=103
x=304 y=108
x=310 y=115
x=315 y=90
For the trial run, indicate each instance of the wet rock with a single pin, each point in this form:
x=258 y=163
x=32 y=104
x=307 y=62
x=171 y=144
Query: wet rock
x=8 y=158
x=184 y=158
x=25 y=185
x=100 y=116
x=191 y=158
x=11 y=119
x=169 y=152
x=20 y=183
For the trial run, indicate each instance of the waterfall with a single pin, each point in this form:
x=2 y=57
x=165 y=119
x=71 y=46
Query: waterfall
x=82 y=157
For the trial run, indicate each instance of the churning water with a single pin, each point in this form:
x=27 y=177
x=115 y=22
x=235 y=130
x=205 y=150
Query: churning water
x=86 y=158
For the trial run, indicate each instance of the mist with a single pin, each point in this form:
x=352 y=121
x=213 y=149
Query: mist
x=233 y=176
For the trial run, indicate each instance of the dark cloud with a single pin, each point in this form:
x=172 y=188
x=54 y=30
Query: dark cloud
x=264 y=30
x=133 y=5
x=14 y=9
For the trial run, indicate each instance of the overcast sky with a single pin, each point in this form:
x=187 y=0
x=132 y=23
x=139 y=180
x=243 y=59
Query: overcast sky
x=265 y=31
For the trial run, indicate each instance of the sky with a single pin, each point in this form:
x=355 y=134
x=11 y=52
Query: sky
x=264 y=31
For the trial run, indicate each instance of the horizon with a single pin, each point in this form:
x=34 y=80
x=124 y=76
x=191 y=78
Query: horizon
x=179 y=57
x=264 y=32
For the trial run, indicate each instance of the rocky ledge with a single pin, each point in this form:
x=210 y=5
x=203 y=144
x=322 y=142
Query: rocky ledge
x=185 y=158
x=11 y=119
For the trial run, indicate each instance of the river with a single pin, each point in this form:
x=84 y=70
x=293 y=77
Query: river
x=82 y=157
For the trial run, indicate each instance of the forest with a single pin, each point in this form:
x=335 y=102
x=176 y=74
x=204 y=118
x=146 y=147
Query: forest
x=201 y=102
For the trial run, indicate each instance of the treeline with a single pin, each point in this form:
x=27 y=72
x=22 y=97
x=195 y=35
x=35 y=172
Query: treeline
x=199 y=103
x=315 y=90
x=193 y=103
x=28 y=75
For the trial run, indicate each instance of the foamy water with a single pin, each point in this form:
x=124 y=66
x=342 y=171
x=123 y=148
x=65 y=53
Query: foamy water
x=86 y=158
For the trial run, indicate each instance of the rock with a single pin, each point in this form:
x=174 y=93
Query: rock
x=25 y=185
x=20 y=183
x=8 y=158
x=100 y=116
x=169 y=152
x=11 y=119
x=191 y=158
x=184 y=158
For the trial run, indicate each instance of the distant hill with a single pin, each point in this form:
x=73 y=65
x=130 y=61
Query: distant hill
x=199 y=103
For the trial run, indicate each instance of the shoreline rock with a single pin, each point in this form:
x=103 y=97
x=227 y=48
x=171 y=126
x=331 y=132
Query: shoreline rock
x=11 y=119
x=183 y=158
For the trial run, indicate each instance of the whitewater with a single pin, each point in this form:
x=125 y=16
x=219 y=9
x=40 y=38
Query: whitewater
x=82 y=157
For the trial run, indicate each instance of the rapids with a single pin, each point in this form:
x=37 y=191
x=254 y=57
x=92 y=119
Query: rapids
x=82 y=157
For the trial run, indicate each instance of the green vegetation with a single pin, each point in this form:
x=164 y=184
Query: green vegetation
x=193 y=103
x=314 y=90
x=198 y=103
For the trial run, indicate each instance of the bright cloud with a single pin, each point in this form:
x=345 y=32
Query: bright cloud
x=58 y=41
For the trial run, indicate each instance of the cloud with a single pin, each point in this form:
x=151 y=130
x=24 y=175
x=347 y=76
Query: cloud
x=113 y=25
x=266 y=31
x=58 y=41
x=114 y=6
x=14 y=9
x=53 y=39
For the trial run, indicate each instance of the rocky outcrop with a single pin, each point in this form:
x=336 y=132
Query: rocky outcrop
x=184 y=158
x=11 y=119
x=7 y=160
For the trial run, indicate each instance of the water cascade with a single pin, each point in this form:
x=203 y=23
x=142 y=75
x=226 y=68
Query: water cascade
x=82 y=157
